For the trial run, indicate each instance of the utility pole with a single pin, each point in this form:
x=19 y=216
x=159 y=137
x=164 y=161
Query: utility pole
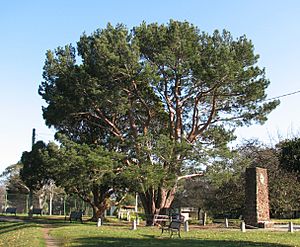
x=33 y=137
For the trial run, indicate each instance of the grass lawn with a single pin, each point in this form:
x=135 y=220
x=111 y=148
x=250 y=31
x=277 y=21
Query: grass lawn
x=118 y=235
x=14 y=234
x=90 y=235
x=286 y=221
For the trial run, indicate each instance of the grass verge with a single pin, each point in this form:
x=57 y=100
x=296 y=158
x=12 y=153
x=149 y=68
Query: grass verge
x=118 y=234
x=14 y=234
x=122 y=236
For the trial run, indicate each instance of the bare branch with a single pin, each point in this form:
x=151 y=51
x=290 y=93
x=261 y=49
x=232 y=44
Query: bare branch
x=190 y=176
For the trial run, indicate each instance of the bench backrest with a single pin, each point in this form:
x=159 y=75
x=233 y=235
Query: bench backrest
x=11 y=210
x=178 y=217
x=37 y=211
x=76 y=215
x=175 y=225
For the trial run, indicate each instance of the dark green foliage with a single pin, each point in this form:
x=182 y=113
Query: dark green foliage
x=90 y=171
x=196 y=69
x=159 y=78
x=33 y=172
x=79 y=165
x=290 y=155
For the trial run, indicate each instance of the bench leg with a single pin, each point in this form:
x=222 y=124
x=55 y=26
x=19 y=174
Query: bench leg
x=171 y=234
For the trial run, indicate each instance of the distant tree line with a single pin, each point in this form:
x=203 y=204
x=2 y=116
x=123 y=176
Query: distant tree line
x=222 y=191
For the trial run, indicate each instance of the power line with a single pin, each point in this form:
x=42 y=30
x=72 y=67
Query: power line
x=284 y=95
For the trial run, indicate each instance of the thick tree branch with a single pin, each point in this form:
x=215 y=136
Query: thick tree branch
x=114 y=128
x=190 y=176
x=198 y=131
x=210 y=118
x=178 y=110
x=170 y=108
x=146 y=107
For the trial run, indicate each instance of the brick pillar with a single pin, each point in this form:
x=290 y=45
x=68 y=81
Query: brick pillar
x=257 y=212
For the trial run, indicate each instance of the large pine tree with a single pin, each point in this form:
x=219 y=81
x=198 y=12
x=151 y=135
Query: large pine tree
x=159 y=94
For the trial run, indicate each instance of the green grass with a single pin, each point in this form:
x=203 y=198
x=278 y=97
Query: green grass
x=286 y=221
x=118 y=234
x=90 y=235
x=13 y=234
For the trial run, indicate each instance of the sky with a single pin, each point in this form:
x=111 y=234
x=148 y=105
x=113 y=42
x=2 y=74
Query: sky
x=29 y=28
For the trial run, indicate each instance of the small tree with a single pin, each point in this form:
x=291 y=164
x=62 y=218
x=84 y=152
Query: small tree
x=33 y=172
x=88 y=171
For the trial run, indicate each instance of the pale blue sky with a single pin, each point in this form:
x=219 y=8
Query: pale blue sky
x=29 y=28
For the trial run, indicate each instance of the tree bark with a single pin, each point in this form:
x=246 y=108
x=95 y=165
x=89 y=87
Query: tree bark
x=156 y=201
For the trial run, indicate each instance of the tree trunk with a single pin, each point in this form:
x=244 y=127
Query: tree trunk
x=100 y=202
x=98 y=211
x=156 y=201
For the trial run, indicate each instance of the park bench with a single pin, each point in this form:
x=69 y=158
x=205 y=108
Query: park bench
x=76 y=216
x=173 y=227
x=36 y=211
x=11 y=211
x=171 y=224
x=161 y=220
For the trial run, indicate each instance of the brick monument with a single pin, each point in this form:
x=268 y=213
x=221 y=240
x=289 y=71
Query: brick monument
x=257 y=211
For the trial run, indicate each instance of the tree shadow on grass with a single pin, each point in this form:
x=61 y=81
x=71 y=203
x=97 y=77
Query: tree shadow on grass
x=11 y=227
x=129 y=242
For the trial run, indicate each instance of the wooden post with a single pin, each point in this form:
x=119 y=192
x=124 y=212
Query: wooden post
x=226 y=223
x=64 y=205
x=204 y=216
x=133 y=226
x=99 y=222
x=186 y=226
x=136 y=203
x=243 y=226
x=291 y=227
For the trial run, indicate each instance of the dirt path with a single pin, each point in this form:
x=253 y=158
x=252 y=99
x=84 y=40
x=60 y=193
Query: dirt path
x=50 y=241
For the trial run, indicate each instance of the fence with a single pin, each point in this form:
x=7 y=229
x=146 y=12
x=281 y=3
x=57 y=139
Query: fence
x=61 y=204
